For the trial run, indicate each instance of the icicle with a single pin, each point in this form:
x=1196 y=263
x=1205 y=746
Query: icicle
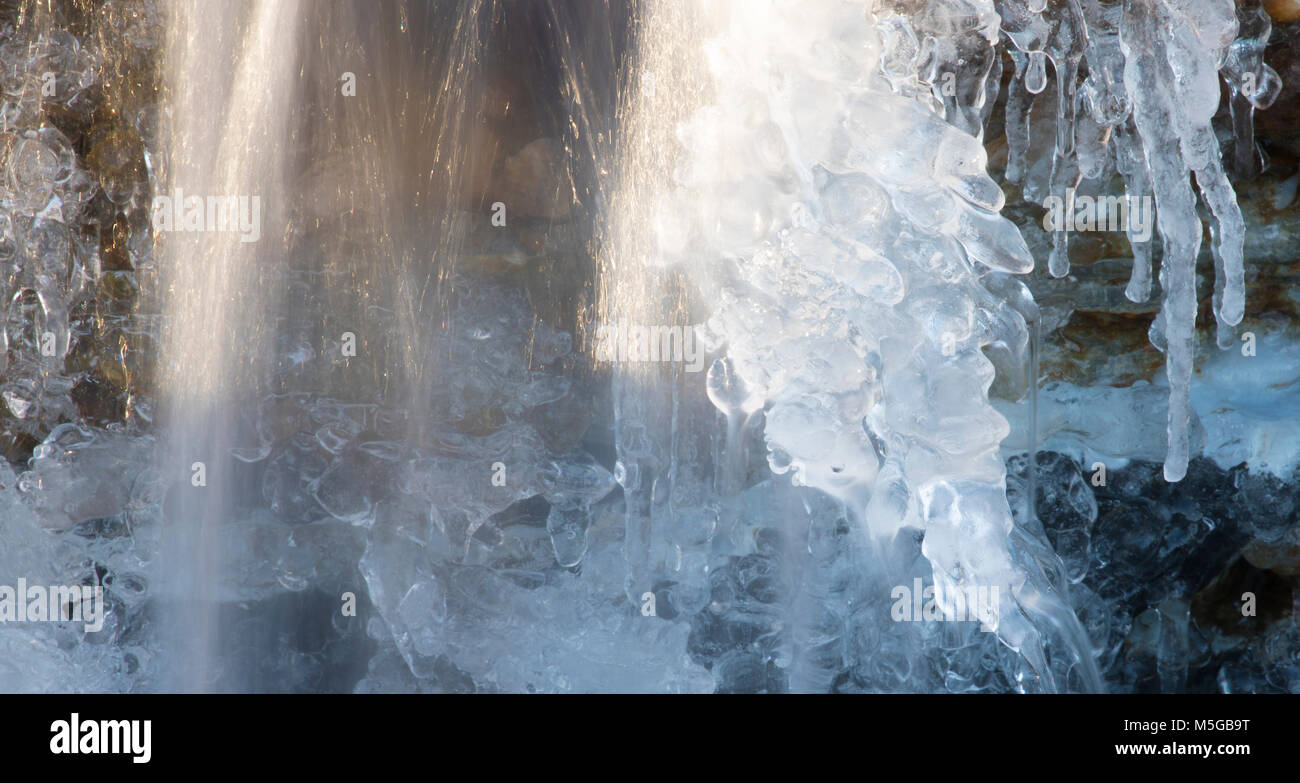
x=1132 y=165
x=1017 y=123
x=1252 y=84
x=1229 y=236
x=1151 y=85
x=1172 y=81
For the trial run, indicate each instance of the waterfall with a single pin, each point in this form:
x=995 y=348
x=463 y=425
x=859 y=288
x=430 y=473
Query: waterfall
x=229 y=79
x=638 y=345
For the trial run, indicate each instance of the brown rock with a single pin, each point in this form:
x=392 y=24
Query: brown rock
x=1283 y=10
x=1281 y=556
x=482 y=421
x=535 y=182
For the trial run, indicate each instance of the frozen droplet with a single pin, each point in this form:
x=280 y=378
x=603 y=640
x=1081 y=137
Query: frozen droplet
x=1036 y=73
x=728 y=391
x=568 y=530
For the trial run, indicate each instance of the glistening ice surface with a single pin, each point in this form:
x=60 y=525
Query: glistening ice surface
x=686 y=346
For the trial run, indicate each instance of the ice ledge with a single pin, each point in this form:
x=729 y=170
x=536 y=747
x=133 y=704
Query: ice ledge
x=1247 y=409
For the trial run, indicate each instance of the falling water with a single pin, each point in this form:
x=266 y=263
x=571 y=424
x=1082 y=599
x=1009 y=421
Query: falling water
x=368 y=137
x=225 y=137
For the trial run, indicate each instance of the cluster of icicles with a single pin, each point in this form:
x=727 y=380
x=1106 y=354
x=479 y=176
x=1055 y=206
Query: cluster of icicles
x=860 y=274
x=857 y=266
x=1137 y=84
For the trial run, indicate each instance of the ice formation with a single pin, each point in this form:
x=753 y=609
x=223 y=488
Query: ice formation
x=1137 y=84
x=80 y=477
x=861 y=268
x=803 y=184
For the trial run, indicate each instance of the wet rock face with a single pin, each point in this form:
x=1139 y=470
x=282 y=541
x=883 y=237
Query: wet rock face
x=1186 y=587
x=537 y=179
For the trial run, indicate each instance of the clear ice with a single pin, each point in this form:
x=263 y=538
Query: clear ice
x=1152 y=85
x=801 y=186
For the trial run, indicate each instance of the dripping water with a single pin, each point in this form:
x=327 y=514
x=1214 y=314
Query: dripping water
x=1031 y=467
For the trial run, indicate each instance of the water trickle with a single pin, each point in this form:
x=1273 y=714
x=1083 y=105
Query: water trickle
x=224 y=138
